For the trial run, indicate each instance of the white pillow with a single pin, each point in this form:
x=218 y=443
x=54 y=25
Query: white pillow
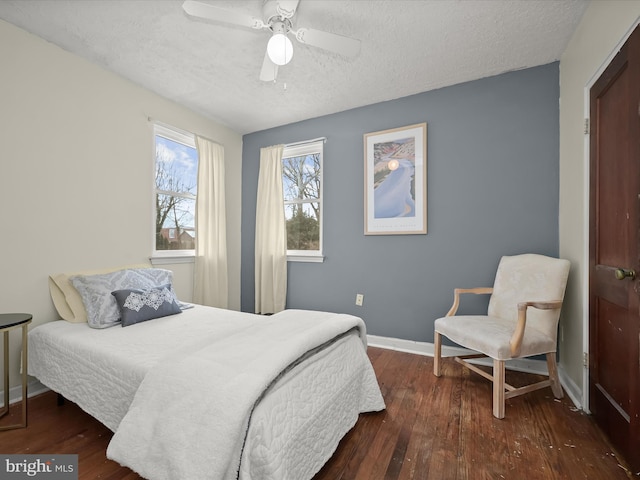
x=66 y=298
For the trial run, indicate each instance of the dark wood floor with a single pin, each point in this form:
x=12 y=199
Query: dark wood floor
x=433 y=428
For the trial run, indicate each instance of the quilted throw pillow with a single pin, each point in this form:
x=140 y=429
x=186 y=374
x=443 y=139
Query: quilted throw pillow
x=137 y=305
x=95 y=291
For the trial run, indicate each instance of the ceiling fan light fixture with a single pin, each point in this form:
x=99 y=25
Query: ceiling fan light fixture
x=280 y=49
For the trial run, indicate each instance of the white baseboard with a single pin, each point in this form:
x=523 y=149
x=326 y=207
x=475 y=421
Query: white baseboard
x=34 y=387
x=571 y=389
x=520 y=364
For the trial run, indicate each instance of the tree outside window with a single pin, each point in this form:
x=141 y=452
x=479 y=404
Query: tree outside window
x=175 y=190
x=302 y=189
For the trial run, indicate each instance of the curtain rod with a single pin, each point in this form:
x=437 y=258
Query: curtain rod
x=324 y=140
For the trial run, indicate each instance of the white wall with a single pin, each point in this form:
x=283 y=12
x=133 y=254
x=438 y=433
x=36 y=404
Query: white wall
x=602 y=28
x=76 y=174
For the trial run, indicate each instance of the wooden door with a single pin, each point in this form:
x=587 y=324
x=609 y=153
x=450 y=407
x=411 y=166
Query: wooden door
x=614 y=297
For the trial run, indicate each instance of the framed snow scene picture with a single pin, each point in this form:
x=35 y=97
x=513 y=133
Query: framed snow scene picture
x=395 y=181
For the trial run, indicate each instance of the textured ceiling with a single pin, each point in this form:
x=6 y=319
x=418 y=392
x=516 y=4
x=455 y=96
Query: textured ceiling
x=408 y=46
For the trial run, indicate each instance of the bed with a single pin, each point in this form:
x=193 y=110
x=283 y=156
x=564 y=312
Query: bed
x=213 y=393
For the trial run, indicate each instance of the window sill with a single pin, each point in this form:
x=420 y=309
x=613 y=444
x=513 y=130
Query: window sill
x=172 y=259
x=305 y=258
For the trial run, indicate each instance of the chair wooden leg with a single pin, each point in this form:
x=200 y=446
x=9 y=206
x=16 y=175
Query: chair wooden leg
x=498 y=388
x=437 y=354
x=556 y=387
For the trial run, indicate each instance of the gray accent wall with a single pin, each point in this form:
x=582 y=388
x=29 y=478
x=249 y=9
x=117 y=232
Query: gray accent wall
x=492 y=190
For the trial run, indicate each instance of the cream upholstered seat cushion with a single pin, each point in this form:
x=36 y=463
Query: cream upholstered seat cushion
x=491 y=335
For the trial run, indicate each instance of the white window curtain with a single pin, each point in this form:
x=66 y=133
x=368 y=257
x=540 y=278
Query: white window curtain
x=210 y=284
x=271 y=234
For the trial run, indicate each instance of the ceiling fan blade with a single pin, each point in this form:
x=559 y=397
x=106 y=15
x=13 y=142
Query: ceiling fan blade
x=209 y=12
x=329 y=41
x=287 y=8
x=269 y=70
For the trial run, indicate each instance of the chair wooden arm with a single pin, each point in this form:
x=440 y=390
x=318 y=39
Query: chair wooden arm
x=456 y=297
x=516 y=339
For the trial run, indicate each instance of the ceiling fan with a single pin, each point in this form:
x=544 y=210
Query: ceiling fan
x=278 y=19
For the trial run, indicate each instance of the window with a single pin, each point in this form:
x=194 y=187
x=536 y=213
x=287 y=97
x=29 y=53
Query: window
x=175 y=191
x=302 y=188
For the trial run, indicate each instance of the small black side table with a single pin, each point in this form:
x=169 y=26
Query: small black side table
x=8 y=322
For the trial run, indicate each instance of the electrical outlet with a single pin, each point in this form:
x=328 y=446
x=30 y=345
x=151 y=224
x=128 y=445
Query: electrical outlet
x=359 y=299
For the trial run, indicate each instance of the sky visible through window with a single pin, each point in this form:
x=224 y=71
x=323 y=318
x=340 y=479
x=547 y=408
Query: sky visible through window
x=180 y=159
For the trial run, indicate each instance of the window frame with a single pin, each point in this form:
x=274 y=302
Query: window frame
x=299 y=150
x=189 y=140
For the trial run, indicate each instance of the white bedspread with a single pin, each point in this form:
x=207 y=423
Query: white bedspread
x=101 y=369
x=175 y=431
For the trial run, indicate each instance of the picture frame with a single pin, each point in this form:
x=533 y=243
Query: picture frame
x=395 y=181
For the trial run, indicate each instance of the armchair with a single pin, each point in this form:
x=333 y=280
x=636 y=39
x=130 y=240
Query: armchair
x=522 y=321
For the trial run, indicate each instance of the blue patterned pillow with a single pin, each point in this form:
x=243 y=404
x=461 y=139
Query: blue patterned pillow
x=137 y=305
x=95 y=291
